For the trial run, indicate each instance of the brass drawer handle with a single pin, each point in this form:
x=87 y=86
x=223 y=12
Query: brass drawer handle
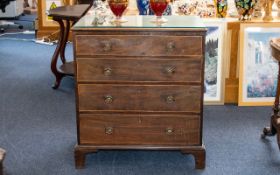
x=107 y=46
x=108 y=99
x=170 y=70
x=169 y=131
x=170 y=46
x=109 y=130
x=107 y=71
x=170 y=99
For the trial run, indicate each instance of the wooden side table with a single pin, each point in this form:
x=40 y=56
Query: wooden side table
x=275 y=118
x=2 y=156
x=64 y=15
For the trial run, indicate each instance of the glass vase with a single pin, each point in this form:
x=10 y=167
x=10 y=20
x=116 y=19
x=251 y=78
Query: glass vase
x=158 y=7
x=118 y=7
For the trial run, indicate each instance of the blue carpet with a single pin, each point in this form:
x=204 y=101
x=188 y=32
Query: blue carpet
x=38 y=128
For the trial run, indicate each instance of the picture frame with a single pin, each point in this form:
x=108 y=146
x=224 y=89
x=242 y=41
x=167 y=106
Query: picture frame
x=214 y=65
x=46 y=4
x=257 y=68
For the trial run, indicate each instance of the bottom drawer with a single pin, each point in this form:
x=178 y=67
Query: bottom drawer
x=124 y=129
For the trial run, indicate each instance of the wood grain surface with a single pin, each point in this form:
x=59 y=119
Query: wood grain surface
x=133 y=69
x=139 y=129
x=139 y=97
x=139 y=45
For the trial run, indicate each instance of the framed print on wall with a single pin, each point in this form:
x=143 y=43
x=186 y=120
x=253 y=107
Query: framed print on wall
x=258 y=70
x=45 y=25
x=213 y=75
x=46 y=6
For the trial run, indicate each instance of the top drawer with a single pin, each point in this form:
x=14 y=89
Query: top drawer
x=140 y=45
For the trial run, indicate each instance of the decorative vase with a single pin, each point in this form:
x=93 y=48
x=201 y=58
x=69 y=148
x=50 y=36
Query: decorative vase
x=258 y=8
x=167 y=11
x=143 y=7
x=268 y=10
x=118 y=7
x=221 y=8
x=158 y=7
x=245 y=8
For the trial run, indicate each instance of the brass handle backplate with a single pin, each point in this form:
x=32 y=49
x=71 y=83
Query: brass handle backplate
x=109 y=130
x=169 y=131
x=170 y=46
x=107 y=46
x=107 y=71
x=170 y=99
x=170 y=70
x=108 y=99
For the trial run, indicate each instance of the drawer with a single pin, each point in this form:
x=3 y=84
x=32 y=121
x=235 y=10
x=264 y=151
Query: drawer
x=95 y=70
x=124 y=129
x=139 y=45
x=139 y=97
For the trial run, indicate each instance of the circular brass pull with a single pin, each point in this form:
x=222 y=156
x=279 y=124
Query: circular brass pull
x=170 y=99
x=107 y=46
x=170 y=70
x=107 y=71
x=108 y=99
x=170 y=46
x=169 y=131
x=109 y=130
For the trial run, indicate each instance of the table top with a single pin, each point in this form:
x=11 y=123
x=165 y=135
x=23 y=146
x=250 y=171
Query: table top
x=91 y=21
x=69 y=12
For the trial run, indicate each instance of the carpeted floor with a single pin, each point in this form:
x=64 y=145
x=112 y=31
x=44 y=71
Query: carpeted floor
x=38 y=128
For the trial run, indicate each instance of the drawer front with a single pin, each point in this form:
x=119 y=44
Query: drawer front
x=141 y=45
x=92 y=70
x=124 y=129
x=139 y=97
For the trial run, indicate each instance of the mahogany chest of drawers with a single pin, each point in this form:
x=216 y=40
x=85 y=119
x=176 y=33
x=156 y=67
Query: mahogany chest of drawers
x=139 y=87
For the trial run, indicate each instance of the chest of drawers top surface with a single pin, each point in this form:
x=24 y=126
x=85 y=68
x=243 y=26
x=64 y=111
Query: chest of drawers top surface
x=144 y=22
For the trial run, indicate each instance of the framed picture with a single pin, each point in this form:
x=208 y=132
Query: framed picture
x=258 y=70
x=46 y=6
x=213 y=76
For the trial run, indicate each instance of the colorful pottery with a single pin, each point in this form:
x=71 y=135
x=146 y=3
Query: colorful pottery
x=143 y=7
x=245 y=8
x=258 y=8
x=202 y=8
x=221 y=8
